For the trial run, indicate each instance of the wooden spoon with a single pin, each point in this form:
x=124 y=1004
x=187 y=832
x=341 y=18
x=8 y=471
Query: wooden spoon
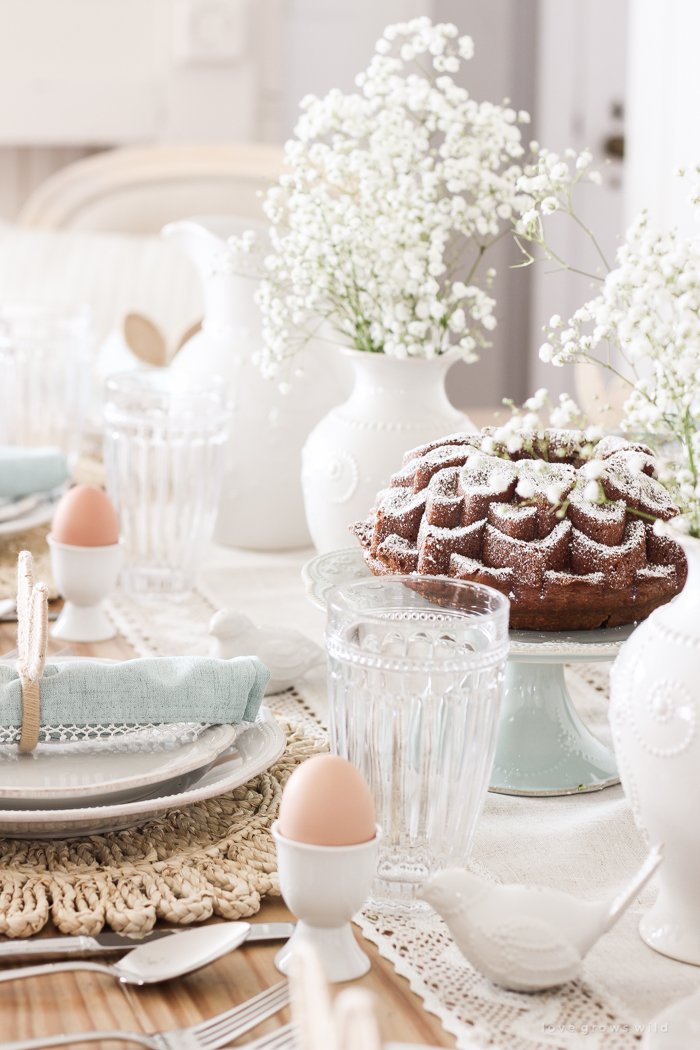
x=145 y=340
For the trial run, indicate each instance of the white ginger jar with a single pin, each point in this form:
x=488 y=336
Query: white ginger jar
x=395 y=405
x=655 y=716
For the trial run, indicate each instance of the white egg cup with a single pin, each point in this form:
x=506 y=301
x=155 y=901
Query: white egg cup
x=324 y=886
x=84 y=576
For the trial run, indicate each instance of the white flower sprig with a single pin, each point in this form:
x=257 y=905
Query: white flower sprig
x=549 y=183
x=649 y=312
x=526 y=432
x=387 y=191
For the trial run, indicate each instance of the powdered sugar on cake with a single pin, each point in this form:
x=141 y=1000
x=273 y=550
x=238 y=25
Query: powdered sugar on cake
x=522 y=523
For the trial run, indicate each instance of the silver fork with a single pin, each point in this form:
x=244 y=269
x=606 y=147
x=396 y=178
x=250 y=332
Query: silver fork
x=207 y=1035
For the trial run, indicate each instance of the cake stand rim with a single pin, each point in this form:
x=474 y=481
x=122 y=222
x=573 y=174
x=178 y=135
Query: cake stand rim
x=318 y=577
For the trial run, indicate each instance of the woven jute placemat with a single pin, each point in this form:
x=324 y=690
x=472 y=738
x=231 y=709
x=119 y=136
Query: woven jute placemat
x=215 y=857
x=33 y=540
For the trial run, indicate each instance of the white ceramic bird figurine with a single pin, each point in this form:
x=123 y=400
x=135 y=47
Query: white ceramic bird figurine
x=525 y=938
x=289 y=654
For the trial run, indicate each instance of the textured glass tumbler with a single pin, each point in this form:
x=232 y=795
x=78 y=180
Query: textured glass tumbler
x=415 y=674
x=45 y=363
x=164 y=442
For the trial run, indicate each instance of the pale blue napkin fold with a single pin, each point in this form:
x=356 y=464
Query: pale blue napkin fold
x=154 y=690
x=24 y=471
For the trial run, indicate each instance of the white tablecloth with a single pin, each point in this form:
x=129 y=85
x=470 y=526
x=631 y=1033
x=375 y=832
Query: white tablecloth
x=587 y=845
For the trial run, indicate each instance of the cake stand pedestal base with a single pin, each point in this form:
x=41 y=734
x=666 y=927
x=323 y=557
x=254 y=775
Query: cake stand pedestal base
x=543 y=746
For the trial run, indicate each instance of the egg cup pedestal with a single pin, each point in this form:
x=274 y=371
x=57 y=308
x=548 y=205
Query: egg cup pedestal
x=324 y=886
x=84 y=576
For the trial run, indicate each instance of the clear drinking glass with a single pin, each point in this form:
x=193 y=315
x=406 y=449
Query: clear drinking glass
x=164 y=442
x=415 y=674
x=45 y=364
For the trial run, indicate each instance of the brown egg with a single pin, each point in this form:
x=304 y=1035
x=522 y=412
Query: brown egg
x=85 y=517
x=327 y=802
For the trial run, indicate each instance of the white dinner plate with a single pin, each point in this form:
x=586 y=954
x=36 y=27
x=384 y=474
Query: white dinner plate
x=61 y=775
x=256 y=748
x=16 y=508
x=37 y=515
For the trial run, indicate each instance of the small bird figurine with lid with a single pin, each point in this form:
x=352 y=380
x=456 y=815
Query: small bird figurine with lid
x=288 y=653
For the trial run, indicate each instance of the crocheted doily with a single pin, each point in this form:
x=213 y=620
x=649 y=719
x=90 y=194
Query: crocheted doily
x=419 y=945
x=478 y=1013
x=217 y=858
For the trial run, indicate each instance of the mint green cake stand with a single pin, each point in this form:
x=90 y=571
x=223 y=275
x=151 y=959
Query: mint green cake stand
x=543 y=746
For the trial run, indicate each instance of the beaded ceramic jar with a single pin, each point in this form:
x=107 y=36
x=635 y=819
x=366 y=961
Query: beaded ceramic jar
x=654 y=714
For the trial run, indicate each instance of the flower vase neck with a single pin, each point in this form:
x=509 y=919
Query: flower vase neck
x=391 y=390
x=396 y=404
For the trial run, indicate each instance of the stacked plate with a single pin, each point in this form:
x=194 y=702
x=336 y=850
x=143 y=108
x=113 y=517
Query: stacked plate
x=84 y=786
x=26 y=512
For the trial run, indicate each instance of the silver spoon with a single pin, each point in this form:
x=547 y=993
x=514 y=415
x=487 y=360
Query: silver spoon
x=157 y=961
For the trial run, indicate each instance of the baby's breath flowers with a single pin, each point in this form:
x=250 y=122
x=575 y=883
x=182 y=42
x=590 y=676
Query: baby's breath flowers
x=387 y=192
x=549 y=183
x=525 y=431
x=645 y=327
x=565 y=415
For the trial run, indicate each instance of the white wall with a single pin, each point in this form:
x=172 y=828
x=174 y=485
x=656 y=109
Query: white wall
x=77 y=72
x=503 y=66
x=328 y=42
x=581 y=79
x=80 y=75
x=663 y=125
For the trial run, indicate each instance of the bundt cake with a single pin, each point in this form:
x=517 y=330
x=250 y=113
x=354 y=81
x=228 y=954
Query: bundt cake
x=520 y=521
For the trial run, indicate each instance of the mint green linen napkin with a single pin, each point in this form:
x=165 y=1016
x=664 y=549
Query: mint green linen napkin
x=24 y=471
x=154 y=690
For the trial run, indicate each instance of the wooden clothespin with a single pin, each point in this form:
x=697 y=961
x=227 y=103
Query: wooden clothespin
x=32 y=637
x=349 y=1023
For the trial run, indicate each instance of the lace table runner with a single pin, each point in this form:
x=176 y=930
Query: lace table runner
x=587 y=845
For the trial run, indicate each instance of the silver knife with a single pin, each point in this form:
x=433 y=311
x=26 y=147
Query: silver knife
x=103 y=943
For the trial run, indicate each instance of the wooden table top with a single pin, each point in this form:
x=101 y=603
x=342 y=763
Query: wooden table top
x=78 y=1002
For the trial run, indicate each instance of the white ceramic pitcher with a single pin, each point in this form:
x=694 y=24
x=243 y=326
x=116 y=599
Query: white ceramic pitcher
x=655 y=718
x=261 y=505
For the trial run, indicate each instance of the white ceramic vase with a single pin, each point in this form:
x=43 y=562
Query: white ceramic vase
x=655 y=718
x=261 y=504
x=351 y=454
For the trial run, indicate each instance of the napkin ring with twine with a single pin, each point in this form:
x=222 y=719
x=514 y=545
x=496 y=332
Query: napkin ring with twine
x=32 y=637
